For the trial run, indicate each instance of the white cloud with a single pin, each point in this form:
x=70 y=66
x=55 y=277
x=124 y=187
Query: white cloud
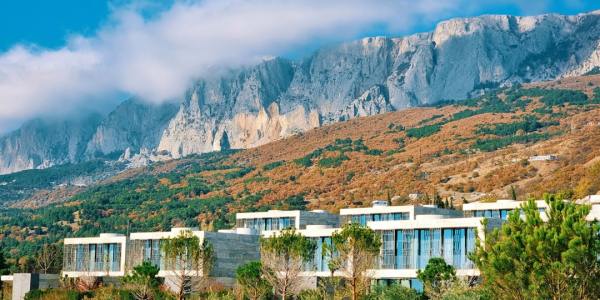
x=157 y=58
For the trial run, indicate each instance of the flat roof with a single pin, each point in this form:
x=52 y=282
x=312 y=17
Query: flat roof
x=175 y=231
x=270 y=214
x=377 y=209
x=102 y=239
x=500 y=204
x=427 y=223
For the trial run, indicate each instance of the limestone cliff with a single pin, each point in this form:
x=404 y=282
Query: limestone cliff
x=254 y=105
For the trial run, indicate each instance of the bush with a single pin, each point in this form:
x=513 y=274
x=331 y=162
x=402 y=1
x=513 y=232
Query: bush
x=488 y=145
x=273 y=165
x=55 y=294
x=393 y=292
x=311 y=295
x=529 y=124
x=424 y=131
x=332 y=162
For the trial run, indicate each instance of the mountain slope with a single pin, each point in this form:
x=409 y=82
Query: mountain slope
x=277 y=98
x=456 y=152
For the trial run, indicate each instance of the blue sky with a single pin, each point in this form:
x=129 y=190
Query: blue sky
x=49 y=23
x=60 y=57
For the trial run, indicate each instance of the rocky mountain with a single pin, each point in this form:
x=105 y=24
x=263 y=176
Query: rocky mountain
x=43 y=143
x=277 y=98
x=133 y=125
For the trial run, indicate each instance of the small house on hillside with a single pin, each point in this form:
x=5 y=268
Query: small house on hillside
x=548 y=157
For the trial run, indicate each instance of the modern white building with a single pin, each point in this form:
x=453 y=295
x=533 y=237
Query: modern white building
x=282 y=219
x=95 y=256
x=380 y=211
x=114 y=255
x=499 y=209
x=547 y=157
x=231 y=249
x=409 y=242
x=408 y=245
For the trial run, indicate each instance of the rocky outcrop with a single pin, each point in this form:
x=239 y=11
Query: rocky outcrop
x=255 y=105
x=43 y=143
x=132 y=125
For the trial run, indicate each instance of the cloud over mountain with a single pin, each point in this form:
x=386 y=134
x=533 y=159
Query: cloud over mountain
x=157 y=57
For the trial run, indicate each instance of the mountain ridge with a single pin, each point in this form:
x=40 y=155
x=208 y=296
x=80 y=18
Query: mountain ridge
x=277 y=98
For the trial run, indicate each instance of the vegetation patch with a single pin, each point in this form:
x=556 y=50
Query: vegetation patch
x=423 y=131
x=493 y=144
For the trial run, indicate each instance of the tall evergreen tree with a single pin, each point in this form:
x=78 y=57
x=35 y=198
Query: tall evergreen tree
x=529 y=258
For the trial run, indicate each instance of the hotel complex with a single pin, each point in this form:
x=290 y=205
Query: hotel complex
x=411 y=235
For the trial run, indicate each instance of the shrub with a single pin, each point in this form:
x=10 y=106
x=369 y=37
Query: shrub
x=424 y=131
x=393 y=292
x=273 y=165
x=332 y=162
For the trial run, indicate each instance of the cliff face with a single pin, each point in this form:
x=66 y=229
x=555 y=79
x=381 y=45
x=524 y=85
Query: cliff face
x=44 y=143
x=132 y=125
x=277 y=98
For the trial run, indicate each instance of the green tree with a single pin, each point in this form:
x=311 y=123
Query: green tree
x=142 y=281
x=48 y=259
x=283 y=256
x=188 y=261
x=251 y=281
x=528 y=258
x=437 y=277
x=358 y=247
x=393 y=292
x=3 y=265
x=513 y=192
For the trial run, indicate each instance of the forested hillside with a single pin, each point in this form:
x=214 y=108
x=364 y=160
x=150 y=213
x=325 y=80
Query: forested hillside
x=450 y=154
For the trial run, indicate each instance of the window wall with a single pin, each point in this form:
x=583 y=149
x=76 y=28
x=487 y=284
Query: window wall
x=499 y=213
x=409 y=283
x=362 y=219
x=413 y=248
x=139 y=251
x=322 y=256
x=260 y=224
x=492 y=213
x=92 y=257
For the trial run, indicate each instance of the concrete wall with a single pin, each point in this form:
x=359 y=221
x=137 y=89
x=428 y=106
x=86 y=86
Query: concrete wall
x=231 y=251
x=318 y=218
x=24 y=282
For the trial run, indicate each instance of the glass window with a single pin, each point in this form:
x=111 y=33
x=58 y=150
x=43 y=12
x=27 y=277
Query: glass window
x=363 y=220
x=376 y=217
x=399 y=216
x=327 y=254
x=495 y=214
x=387 y=250
x=503 y=214
x=459 y=248
x=79 y=257
x=436 y=243
x=471 y=241
x=416 y=284
x=407 y=250
x=319 y=254
x=91 y=262
x=400 y=250
x=424 y=247
x=448 y=246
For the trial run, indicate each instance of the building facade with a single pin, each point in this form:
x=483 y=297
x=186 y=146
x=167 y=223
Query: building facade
x=407 y=244
x=95 y=256
x=411 y=235
x=380 y=211
x=499 y=209
x=114 y=255
x=282 y=219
